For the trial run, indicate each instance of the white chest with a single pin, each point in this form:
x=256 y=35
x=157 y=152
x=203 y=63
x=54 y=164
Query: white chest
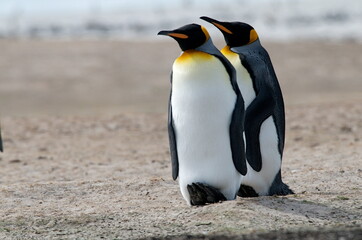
x=245 y=83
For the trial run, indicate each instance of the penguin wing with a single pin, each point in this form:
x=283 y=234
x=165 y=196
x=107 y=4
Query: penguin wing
x=236 y=136
x=279 y=113
x=172 y=139
x=236 y=128
x=258 y=111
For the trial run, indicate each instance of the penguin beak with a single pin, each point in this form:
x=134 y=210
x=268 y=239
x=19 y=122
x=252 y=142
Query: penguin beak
x=217 y=24
x=173 y=34
x=210 y=20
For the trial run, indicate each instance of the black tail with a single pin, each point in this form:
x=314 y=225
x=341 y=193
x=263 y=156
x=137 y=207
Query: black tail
x=201 y=194
x=278 y=187
x=247 y=191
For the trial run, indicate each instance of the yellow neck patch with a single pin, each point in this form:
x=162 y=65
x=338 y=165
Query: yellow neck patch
x=226 y=50
x=178 y=35
x=193 y=55
x=222 y=28
x=230 y=55
x=205 y=32
x=253 y=36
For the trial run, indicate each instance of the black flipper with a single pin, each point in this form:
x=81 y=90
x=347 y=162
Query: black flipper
x=202 y=194
x=236 y=137
x=278 y=187
x=258 y=111
x=246 y=191
x=172 y=139
x=236 y=128
x=279 y=114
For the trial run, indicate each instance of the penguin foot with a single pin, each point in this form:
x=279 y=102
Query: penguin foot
x=281 y=190
x=201 y=194
x=246 y=191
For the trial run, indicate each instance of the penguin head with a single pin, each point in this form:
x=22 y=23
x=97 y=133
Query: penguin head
x=189 y=36
x=236 y=34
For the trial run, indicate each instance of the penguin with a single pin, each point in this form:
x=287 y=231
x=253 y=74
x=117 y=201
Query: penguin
x=264 y=124
x=204 y=114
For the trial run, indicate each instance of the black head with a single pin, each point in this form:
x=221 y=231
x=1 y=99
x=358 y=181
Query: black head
x=189 y=36
x=235 y=33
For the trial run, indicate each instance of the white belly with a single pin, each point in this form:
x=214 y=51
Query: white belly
x=271 y=160
x=202 y=105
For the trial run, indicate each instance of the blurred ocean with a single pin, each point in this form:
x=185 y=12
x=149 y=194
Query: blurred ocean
x=142 y=19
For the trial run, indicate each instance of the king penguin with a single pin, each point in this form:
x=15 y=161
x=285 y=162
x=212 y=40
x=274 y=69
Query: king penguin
x=205 y=110
x=264 y=115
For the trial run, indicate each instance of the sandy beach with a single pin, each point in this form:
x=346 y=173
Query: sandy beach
x=86 y=149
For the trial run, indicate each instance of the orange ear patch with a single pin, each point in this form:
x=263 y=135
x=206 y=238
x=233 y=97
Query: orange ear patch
x=205 y=32
x=178 y=35
x=221 y=27
x=253 y=36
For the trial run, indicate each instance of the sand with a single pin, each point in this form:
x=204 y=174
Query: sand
x=86 y=150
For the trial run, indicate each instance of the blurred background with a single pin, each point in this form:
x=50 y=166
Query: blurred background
x=103 y=56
